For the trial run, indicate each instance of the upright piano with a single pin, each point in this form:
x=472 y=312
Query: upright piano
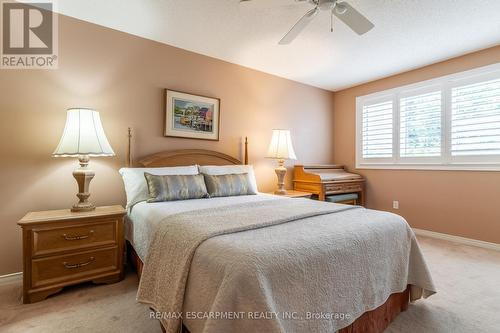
x=329 y=181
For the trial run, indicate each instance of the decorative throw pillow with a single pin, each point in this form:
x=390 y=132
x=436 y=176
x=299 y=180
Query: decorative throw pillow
x=170 y=188
x=216 y=170
x=229 y=185
x=136 y=186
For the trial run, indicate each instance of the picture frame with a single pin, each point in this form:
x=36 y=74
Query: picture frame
x=191 y=116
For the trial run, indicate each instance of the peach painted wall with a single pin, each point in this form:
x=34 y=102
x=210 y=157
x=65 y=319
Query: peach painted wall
x=462 y=203
x=123 y=77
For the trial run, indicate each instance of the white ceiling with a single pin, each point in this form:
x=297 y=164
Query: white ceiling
x=408 y=33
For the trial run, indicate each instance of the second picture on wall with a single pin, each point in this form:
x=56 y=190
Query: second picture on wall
x=191 y=116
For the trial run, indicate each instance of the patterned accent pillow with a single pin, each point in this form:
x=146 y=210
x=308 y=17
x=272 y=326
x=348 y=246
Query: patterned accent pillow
x=170 y=188
x=229 y=185
x=136 y=186
x=217 y=170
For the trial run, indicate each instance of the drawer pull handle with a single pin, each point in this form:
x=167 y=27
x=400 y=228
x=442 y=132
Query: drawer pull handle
x=72 y=238
x=81 y=264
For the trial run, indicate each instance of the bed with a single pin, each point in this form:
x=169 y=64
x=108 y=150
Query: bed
x=355 y=269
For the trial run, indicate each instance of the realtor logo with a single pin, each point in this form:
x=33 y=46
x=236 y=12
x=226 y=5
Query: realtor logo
x=29 y=35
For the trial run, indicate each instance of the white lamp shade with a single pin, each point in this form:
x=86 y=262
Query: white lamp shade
x=281 y=146
x=83 y=135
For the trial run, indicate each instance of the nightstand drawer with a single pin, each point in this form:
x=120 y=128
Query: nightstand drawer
x=76 y=237
x=76 y=266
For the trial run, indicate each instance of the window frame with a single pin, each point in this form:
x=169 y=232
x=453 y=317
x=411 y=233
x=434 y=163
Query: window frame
x=444 y=162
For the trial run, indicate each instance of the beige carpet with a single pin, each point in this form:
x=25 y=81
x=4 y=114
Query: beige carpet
x=468 y=300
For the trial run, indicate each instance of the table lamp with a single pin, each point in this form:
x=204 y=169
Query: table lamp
x=83 y=137
x=281 y=149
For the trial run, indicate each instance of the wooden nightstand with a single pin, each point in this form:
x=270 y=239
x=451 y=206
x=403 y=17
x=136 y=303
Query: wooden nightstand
x=62 y=248
x=294 y=194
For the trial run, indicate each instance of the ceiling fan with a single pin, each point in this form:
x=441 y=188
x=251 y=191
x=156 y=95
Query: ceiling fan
x=340 y=8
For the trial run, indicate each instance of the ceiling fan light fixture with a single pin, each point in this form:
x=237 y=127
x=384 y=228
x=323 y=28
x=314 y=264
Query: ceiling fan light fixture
x=340 y=8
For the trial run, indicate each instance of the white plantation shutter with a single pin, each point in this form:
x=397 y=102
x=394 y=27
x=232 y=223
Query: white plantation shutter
x=377 y=130
x=475 y=123
x=420 y=125
x=447 y=123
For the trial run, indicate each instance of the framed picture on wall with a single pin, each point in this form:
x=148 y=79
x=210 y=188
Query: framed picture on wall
x=191 y=116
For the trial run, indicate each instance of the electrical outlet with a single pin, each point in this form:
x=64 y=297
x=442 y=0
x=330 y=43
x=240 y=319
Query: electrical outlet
x=395 y=204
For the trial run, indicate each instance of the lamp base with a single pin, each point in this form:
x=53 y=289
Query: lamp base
x=83 y=176
x=281 y=172
x=280 y=192
x=82 y=208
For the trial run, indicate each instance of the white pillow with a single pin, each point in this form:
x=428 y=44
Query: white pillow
x=215 y=170
x=135 y=183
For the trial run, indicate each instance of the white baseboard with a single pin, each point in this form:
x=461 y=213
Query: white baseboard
x=457 y=239
x=11 y=275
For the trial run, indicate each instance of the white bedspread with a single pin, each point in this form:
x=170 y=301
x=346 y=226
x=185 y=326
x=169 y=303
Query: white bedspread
x=143 y=218
x=313 y=274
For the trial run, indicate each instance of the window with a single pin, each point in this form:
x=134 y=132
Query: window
x=377 y=130
x=420 y=125
x=452 y=122
x=475 y=119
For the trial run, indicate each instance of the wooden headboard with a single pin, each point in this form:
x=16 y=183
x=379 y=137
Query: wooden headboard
x=184 y=157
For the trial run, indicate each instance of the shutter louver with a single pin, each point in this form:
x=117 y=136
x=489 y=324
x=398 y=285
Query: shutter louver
x=475 y=123
x=377 y=130
x=420 y=125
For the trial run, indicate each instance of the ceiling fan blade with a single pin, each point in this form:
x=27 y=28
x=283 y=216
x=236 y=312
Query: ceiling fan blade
x=354 y=19
x=298 y=27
